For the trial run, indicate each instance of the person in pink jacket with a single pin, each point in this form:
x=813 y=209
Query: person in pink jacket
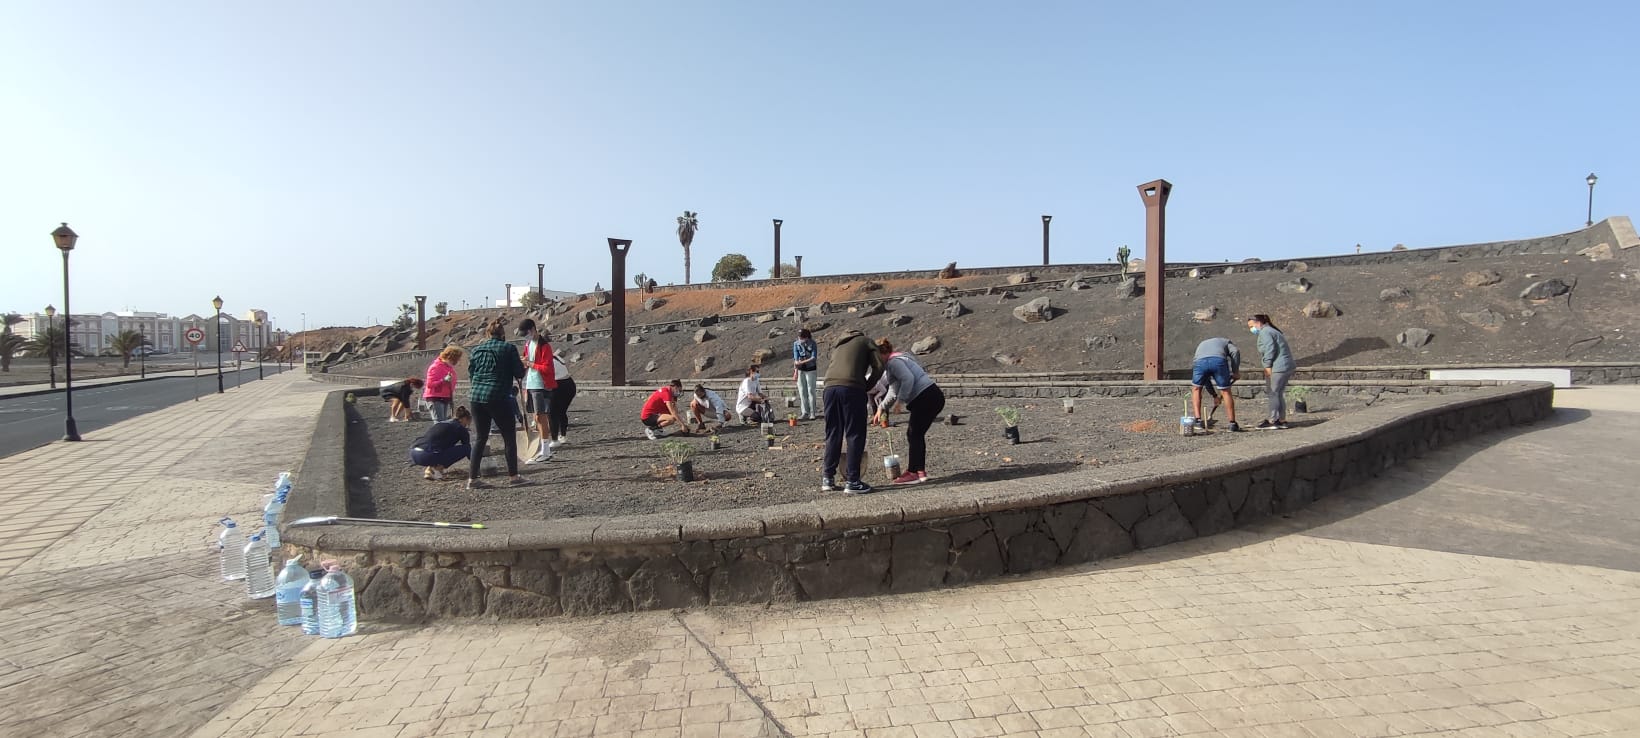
x=441 y=382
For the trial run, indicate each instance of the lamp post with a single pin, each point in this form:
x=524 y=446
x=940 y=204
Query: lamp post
x=421 y=322
x=618 y=247
x=142 y=356
x=51 y=350
x=777 y=223
x=303 y=346
x=1045 y=220
x=541 y=280
x=217 y=303
x=261 y=347
x=1591 y=179
x=65 y=239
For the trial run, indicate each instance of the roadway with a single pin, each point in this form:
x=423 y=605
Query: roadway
x=35 y=420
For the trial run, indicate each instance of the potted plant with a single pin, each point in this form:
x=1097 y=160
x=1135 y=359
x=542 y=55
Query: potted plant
x=791 y=419
x=680 y=452
x=768 y=440
x=1010 y=423
x=1296 y=396
x=714 y=442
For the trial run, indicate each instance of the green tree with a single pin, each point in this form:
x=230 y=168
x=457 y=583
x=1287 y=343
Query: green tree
x=786 y=270
x=441 y=308
x=125 y=343
x=688 y=223
x=532 y=300
x=732 y=268
x=404 y=321
x=49 y=344
x=10 y=345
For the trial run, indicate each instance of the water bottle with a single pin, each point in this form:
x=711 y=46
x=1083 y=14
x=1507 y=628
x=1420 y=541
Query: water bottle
x=287 y=592
x=337 y=616
x=270 y=518
x=258 y=569
x=282 y=484
x=310 y=603
x=232 y=544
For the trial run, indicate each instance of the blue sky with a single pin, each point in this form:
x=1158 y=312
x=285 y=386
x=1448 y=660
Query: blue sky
x=337 y=158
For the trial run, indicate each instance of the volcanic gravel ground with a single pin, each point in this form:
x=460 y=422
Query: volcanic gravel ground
x=610 y=469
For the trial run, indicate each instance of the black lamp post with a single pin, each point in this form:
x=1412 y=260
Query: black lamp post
x=261 y=347
x=65 y=239
x=1045 y=220
x=51 y=350
x=217 y=303
x=142 y=354
x=1591 y=178
x=777 y=223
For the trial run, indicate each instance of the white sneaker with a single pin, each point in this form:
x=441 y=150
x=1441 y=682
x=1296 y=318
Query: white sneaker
x=554 y=444
x=438 y=475
x=652 y=434
x=540 y=457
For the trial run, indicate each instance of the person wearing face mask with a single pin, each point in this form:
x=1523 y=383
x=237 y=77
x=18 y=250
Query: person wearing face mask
x=750 y=403
x=539 y=382
x=1278 y=368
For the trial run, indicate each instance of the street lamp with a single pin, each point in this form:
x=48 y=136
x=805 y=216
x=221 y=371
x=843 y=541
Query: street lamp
x=142 y=356
x=217 y=303
x=51 y=348
x=1045 y=221
x=65 y=238
x=261 y=346
x=1591 y=178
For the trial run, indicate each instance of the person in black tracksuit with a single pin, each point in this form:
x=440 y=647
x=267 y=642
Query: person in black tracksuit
x=445 y=442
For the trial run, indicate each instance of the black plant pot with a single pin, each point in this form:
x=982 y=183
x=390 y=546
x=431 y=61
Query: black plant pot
x=951 y=419
x=686 y=471
x=1300 y=406
x=1011 y=433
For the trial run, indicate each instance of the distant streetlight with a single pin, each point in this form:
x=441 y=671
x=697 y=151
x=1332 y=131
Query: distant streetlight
x=142 y=354
x=1591 y=179
x=65 y=238
x=217 y=303
x=51 y=349
x=261 y=346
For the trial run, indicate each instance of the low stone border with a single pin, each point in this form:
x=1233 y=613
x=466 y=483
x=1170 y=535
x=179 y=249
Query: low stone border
x=897 y=541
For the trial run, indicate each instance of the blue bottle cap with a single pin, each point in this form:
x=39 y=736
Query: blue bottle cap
x=228 y=522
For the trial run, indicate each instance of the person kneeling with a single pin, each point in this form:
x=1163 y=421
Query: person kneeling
x=445 y=442
x=661 y=410
x=707 y=410
x=750 y=402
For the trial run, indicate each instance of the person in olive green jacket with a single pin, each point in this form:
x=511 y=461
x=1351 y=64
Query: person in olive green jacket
x=854 y=366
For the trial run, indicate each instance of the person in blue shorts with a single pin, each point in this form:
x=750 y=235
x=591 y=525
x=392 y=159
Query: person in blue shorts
x=1216 y=364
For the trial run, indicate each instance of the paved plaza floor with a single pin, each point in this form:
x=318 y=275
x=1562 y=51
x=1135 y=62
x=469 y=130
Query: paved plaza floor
x=1489 y=589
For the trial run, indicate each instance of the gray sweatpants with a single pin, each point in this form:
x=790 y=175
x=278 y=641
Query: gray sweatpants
x=1277 y=390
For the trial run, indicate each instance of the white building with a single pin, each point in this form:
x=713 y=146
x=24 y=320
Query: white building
x=516 y=293
x=92 y=333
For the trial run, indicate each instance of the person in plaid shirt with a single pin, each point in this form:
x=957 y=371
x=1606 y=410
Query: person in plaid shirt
x=493 y=367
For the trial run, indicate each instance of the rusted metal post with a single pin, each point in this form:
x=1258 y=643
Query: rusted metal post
x=777 y=223
x=506 y=295
x=799 y=265
x=617 y=310
x=1045 y=220
x=421 y=322
x=1154 y=195
x=541 y=280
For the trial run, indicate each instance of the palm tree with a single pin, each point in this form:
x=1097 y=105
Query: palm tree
x=125 y=343
x=10 y=344
x=49 y=344
x=687 y=225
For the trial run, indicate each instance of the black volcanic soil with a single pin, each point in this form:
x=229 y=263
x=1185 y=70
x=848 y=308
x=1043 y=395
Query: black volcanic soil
x=609 y=468
x=1593 y=323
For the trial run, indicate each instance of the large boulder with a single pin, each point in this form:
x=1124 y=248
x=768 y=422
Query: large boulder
x=703 y=335
x=1099 y=343
x=823 y=308
x=1320 y=309
x=654 y=303
x=868 y=286
x=1484 y=318
x=1482 y=278
x=728 y=301
x=926 y=345
x=895 y=321
x=875 y=308
x=1299 y=286
x=950 y=271
x=766 y=318
x=1039 y=310
x=1395 y=294
x=1018 y=278
x=1544 y=290
x=600 y=298
x=703 y=363
x=762 y=355
x=1598 y=252
x=1203 y=315
x=1129 y=288
x=1413 y=338
x=1297 y=266
x=954 y=309
x=1006 y=359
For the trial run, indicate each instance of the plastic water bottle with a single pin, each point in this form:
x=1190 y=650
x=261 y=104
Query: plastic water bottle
x=287 y=592
x=310 y=603
x=258 y=569
x=282 y=484
x=231 y=541
x=270 y=518
x=337 y=616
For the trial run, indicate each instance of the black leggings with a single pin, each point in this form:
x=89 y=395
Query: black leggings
x=499 y=409
x=923 y=410
x=558 y=402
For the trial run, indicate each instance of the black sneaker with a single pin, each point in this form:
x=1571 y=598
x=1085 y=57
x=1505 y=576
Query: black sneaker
x=858 y=488
x=1235 y=427
x=1265 y=425
x=1282 y=426
x=827 y=484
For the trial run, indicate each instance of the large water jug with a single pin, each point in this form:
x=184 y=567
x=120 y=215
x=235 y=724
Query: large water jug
x=337 y=616
x=258 y=569
x=287 y=592
x=310 y=603
x=270 y=518
x=231 y=542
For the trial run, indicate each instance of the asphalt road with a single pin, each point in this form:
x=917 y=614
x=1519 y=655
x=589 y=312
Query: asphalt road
x=35 y=420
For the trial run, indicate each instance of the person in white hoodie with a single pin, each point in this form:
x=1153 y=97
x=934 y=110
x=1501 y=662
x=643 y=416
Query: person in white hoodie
x=909 y=385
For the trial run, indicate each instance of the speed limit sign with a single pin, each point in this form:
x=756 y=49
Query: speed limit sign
x=194 y=336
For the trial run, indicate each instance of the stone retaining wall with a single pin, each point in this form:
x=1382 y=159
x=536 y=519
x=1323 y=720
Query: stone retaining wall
x=896 y=541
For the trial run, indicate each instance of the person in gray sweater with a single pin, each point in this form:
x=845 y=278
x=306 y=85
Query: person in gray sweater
x=1217 y=362
x=910 y=386
x=1278 y=368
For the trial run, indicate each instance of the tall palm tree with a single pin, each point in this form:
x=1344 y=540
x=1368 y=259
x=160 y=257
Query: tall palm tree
x=10 y=345
x=9 y=320
x=687 y=225
x=50 y=344
x=127 y=342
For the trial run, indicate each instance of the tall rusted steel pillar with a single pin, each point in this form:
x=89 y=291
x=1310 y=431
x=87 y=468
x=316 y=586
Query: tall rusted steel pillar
x=506 y=295
x=1154 y=195
x=799 y=265
x=421 y=322
x=617 y=310
x=1045 y=220
x=541 y=280
x=776 y=271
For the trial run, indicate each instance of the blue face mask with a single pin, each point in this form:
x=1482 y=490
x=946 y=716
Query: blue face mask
x=1253 y=329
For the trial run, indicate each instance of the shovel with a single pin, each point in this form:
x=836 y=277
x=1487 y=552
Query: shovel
x=336 y=520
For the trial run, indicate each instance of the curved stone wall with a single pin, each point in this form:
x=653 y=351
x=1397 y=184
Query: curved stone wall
x=896 y=541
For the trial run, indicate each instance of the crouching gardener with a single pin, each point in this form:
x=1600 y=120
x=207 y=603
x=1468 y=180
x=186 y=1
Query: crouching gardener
x=1217 y=361
x=445 y=442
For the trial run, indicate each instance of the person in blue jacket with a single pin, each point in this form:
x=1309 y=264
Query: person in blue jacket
x=445 y=442
x=806 y=370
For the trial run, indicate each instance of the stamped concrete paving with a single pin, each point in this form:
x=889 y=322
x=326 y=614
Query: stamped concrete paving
x=1480 y=591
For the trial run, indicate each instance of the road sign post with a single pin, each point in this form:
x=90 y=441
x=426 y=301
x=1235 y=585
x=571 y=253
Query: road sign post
x=194 y=336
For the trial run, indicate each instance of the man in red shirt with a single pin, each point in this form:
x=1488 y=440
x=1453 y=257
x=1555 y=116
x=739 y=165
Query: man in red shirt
x=661 y=410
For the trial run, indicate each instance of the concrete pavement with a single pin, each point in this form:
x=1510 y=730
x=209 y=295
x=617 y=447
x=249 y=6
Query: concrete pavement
x=1483 y=590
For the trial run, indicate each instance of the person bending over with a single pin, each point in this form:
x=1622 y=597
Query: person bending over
x=854 y=366
x=661 y=410
x=397 y=396
x=1217 y=362
x=445 y=443
x=440 y=391
x=909 y=385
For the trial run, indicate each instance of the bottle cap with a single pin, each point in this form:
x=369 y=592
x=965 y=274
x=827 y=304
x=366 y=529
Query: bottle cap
x=315 y=574
x=257 y=536
x=228 y=522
